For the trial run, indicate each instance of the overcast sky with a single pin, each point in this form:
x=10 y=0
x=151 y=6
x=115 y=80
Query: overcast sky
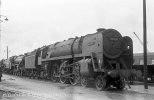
x=34 y=23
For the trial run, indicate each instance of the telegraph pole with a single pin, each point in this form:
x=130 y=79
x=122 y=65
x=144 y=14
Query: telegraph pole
x=145 y=44
x=7 y=50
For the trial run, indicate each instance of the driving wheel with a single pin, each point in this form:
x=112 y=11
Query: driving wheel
x=100 y=82
x=84 y=81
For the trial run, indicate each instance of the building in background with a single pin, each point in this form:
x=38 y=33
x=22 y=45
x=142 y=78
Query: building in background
x=139 y=64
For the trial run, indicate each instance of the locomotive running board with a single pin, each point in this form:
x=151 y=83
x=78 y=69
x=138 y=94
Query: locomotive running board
x=63 y=57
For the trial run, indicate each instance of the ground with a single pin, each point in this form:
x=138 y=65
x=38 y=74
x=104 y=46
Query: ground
x=19 y=88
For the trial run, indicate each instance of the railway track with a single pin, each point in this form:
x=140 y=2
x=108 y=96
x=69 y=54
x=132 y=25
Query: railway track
x=8 y=94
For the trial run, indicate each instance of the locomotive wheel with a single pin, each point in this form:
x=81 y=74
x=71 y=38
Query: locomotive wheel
x=54 y=79
x=55 y=72
x=63 y=79
x=84 y=81
x=100 y=83
x=74 y=79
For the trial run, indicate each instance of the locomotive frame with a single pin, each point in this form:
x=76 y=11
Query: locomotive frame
x=104 y=57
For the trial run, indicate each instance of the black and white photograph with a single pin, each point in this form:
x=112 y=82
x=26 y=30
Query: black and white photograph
x=76 y=50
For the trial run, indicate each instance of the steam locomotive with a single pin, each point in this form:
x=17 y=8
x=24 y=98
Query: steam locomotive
x=104 y=57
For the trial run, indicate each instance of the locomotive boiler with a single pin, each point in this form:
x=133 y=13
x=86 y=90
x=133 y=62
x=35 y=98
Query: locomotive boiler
x=104 y=56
